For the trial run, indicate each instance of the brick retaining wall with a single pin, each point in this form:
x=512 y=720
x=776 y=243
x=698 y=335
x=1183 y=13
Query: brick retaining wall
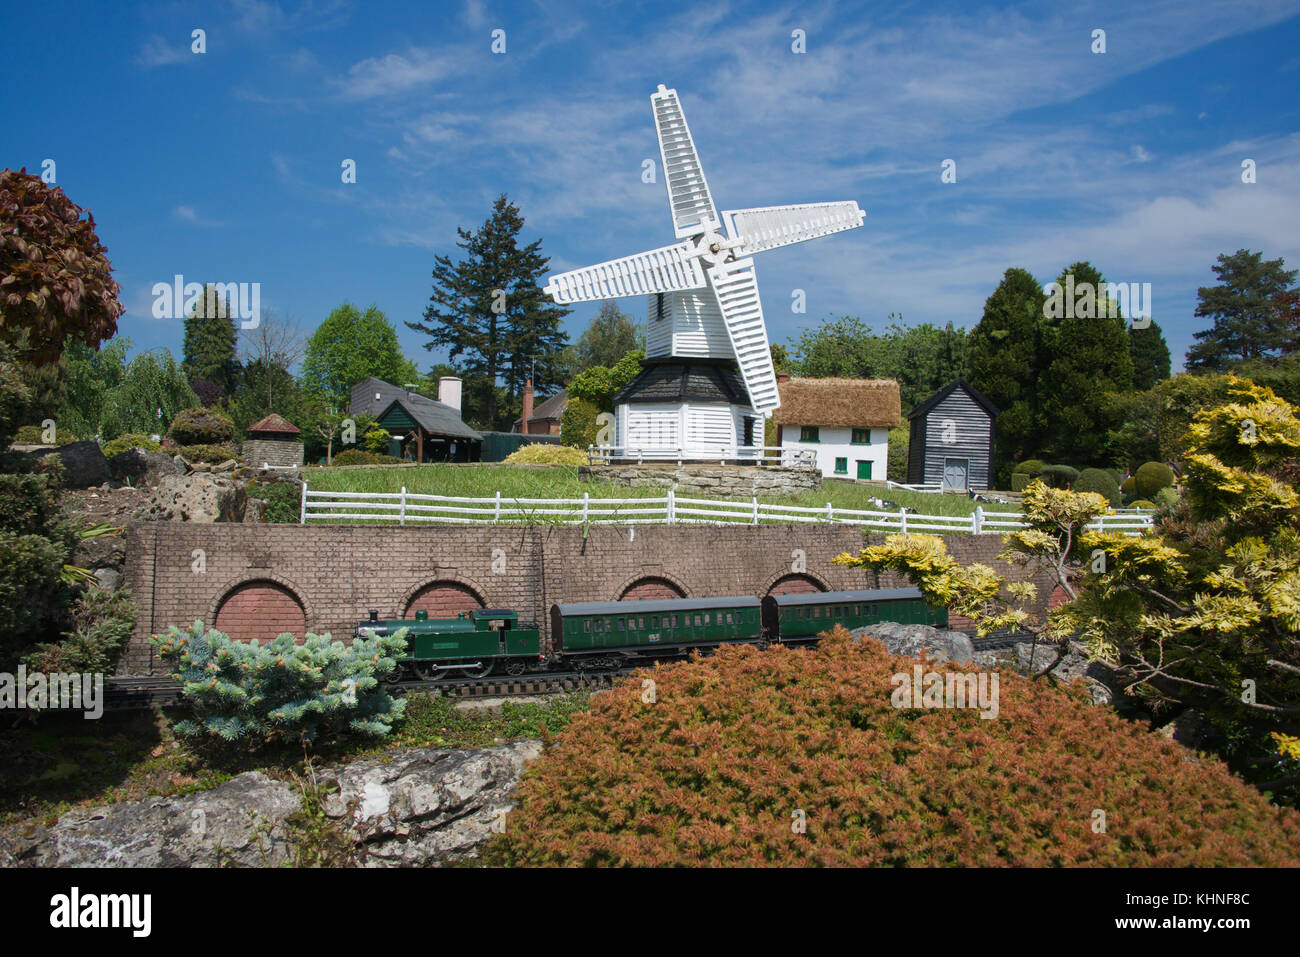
x=252 y=575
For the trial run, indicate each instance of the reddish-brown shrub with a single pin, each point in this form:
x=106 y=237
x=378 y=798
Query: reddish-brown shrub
x=715 y=769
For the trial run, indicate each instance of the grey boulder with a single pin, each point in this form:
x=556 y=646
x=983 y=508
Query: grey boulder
x=909 y=640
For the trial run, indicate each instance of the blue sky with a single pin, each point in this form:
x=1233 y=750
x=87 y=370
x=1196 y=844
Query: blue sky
x=225 y=166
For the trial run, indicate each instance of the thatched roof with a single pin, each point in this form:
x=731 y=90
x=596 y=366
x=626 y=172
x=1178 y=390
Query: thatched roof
x=842 y=403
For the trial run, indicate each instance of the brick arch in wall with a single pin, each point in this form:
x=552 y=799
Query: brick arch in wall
x=442 y=598
x=650 y=587
x=261 y=608
x=795 y=584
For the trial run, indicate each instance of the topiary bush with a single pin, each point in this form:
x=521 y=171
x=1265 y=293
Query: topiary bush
x=797 y=757
x=1152 y=477
x=206 y=453
x=200 y=426
x=1058 y=476
x=540 y=453
x=1101 y=482
x=132 y=440
x=1030 y=467
x=282 y=691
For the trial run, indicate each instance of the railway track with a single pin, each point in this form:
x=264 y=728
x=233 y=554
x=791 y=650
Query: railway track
x=135 y=693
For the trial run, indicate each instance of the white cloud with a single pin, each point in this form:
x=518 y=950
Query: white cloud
x=158 y=52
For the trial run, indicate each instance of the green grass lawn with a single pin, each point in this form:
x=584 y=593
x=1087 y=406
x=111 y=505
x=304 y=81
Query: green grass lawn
x=558 y=481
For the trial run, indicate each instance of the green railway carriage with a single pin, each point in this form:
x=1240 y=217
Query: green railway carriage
x=802 y=617
x=599 y=630
x=472 y=644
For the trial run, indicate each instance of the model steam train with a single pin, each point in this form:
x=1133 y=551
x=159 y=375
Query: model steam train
x=606 y=635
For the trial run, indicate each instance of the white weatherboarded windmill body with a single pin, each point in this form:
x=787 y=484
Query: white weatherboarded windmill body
x=707 y=381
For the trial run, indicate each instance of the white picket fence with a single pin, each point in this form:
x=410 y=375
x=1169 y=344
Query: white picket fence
x=405 y=508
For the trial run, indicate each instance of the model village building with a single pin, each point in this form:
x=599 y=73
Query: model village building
x=272 y=441
x=422 y=428
x=544 y=419
x=844 y=422
x=950 y=439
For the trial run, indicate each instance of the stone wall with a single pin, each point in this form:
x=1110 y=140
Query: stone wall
x=257 y=452
x=717 y=480
x=252 y=576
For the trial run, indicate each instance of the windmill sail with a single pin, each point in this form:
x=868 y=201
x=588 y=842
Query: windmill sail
x=768 y=227
x=668 y=269
x=736 y=287
x=688 y=192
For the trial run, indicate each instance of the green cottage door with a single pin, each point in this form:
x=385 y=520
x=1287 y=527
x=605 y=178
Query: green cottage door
x=864 y=469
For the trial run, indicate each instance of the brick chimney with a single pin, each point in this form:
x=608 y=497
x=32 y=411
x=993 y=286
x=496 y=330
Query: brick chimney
x=528 y=406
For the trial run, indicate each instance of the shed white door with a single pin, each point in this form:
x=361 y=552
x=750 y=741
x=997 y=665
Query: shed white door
x=955 y=472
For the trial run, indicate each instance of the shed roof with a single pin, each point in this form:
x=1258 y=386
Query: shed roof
x=274 y=423
x=840 y=403
x=436 y=418
x=949 y=389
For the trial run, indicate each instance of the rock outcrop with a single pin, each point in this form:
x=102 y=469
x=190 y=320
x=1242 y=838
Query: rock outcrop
x=909 y=640
x=197 y=497
x=241 y=822
x=424 y=806
x=142 y=467
x=84 y=465
x=1031 y=660
x=411 y=807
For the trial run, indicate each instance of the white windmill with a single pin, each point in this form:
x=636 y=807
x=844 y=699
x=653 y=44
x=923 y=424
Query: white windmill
x=707 y=380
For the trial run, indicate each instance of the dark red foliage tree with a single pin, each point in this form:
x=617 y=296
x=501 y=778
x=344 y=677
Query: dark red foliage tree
x=56 y=282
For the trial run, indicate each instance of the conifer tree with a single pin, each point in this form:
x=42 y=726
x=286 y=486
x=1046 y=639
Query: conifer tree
x=489 y=310
x=209 y=346
x=1005 y=356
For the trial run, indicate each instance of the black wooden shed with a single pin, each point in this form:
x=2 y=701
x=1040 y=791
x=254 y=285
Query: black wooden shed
x=950 y=441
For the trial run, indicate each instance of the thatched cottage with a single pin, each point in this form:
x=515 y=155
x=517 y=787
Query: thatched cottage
x=845 y=421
